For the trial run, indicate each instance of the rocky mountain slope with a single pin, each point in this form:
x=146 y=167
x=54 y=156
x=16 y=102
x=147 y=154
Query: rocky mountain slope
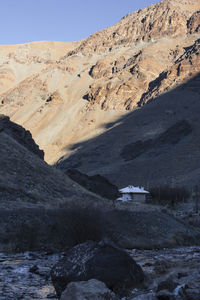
x=158 y=144
x=185 y=67
x=80 y=100
x=42 y=208
x=26 y=180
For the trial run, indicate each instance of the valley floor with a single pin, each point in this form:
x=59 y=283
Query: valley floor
x=27 y=275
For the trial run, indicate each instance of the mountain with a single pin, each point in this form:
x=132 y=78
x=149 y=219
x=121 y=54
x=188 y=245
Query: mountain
x=157 y=144
x=26 y=180
x=133 y=87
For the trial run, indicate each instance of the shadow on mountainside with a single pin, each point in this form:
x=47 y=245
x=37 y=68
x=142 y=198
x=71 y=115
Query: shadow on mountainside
x=158 y=143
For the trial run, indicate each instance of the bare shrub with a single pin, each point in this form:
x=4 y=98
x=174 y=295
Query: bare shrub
x=168 y=195
x=77 y=225
x=26 y=236
x=55 y=229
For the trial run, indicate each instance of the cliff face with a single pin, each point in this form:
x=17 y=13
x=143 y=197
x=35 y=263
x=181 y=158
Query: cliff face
x=66 y=93
x=167 y=19
x=185 y=67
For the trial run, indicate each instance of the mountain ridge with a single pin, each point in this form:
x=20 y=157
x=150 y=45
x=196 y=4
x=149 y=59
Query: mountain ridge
x=94 y=82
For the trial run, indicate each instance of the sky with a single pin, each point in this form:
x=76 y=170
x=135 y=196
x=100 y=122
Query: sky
x=24 y=21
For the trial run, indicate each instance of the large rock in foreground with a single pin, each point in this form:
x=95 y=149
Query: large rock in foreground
x=90 y=290
x=100 y=261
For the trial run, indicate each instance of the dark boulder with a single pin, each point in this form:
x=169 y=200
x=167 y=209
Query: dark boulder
x=90 y=290
x=96 y=184
x=100 y=261
x=168 y=284
x=193 y=24
x=165 y=295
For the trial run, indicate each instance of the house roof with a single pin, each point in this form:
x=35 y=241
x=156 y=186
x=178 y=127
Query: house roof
x=133 y=189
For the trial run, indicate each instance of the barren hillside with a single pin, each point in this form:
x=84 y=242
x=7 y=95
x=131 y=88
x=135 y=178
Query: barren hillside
x=69 y=93
x=26 y=180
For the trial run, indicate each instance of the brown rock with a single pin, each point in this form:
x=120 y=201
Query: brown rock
x=194 y=23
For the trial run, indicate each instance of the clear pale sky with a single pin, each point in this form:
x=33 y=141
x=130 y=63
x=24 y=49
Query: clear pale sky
x=25 y=21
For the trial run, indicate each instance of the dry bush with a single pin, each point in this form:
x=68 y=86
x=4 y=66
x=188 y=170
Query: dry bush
x=168 y=195
x=56 y=229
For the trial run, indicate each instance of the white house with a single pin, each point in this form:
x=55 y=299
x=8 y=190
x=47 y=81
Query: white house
x=133 y=193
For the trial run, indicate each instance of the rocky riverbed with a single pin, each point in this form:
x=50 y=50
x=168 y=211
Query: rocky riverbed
x=173 y=271
x=26 y=276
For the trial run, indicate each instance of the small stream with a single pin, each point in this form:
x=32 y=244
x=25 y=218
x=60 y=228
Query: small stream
x=27 y=275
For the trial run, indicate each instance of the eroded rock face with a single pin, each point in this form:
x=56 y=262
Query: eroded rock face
x=21 y=135
x=99 y=261
x=91 y=290
x=118 y=95
x=165 y=19
x=185 y=67
x=194 y=23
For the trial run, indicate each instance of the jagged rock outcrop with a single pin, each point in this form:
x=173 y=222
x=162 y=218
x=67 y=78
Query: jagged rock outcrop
x=186 y=66
x=22 y=136
x=165 y=19
x=193 y=23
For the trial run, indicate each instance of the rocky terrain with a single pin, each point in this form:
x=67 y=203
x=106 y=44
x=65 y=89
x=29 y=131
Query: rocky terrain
x=150 y=146
x=67 y=93
x=176 y=271
x=185 y=67
x=120 y=107
x=38 y=211
x=25 y=179
x=41 y=206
